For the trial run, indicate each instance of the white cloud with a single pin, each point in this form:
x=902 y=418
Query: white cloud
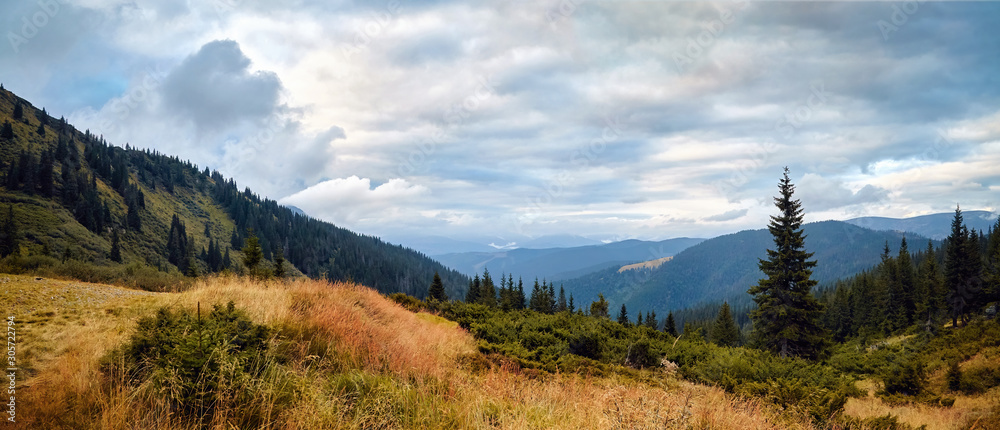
x=352 y=201
x=317 y=90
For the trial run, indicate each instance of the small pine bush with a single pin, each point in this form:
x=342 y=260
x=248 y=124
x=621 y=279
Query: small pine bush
x=195 y=365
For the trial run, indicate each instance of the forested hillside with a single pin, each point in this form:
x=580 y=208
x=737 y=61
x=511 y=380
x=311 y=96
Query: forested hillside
x=72 y=196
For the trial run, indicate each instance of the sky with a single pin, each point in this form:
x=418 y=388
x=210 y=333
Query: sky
x=519 y=119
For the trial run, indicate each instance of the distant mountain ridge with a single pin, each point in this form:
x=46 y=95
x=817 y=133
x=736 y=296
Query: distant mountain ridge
x=723 y=268
x=934 y=226
x=554 y=264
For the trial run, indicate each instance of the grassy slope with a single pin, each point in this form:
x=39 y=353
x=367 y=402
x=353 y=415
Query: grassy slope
x=357 y=360
x=45 y=221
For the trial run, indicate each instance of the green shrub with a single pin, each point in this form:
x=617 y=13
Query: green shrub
x=641 y=354
x=906 y=377
x=407 y=301
x=587 y=344
x=954 y=377
x=196 y=365
x=979 y=379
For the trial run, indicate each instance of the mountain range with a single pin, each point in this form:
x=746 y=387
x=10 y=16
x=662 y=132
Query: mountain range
x=554 y=264
x=934 y=226
x=723 y=268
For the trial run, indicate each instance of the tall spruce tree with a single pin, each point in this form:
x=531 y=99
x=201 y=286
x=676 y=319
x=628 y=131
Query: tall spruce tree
x=487 y=290
x=931 y=303
x=252 y=253
x=116 y=247
x=279 y=263
x=9 y=234
x=7 y=131
x=473 y=296
x=651 y=321
x=991 y=269
x=961 y=269
x=436 y=290
x=724 y=331
x=623 y=316
x=786 y=320
x=670 y=326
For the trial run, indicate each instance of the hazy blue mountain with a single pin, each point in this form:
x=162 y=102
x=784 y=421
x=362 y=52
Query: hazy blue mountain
x=436 y=245
x=557 y=241
x=563 y=263
x=441 y=245
x=935 y=226
x=724 y=268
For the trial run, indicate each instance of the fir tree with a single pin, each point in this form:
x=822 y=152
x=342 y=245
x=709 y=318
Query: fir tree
x=472 y=296
x=279 y=263
x=10 y=239
x=724 y=331
x=18 y=111
x=487 y=290
x=991 y=268
x=651 y=321
x=40 y=130
x=46 y=174
x=116 y=250
x=177 y=243
x=670 y=326
x=550 y=297
x=7 y=131
x=786 y=320
x=190 y=266
x=961 y=269
x=599 y=308
x=623 y=317
x=931 y=303
x=520 y=302
x=561 y=305
x=906 y=278
x=252 y=254
x=436 y=290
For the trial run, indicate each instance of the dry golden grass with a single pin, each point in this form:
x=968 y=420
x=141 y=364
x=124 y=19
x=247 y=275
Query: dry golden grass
x=965 y=410
x=354 y=360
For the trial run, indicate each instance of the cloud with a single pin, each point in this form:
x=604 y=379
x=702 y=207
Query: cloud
x=352 y=200
x=283 y=98
x=728 y=216
x=819 y=194
x=215 y=88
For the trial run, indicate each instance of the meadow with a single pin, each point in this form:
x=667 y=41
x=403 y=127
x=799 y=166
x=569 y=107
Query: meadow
x=343 y=356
